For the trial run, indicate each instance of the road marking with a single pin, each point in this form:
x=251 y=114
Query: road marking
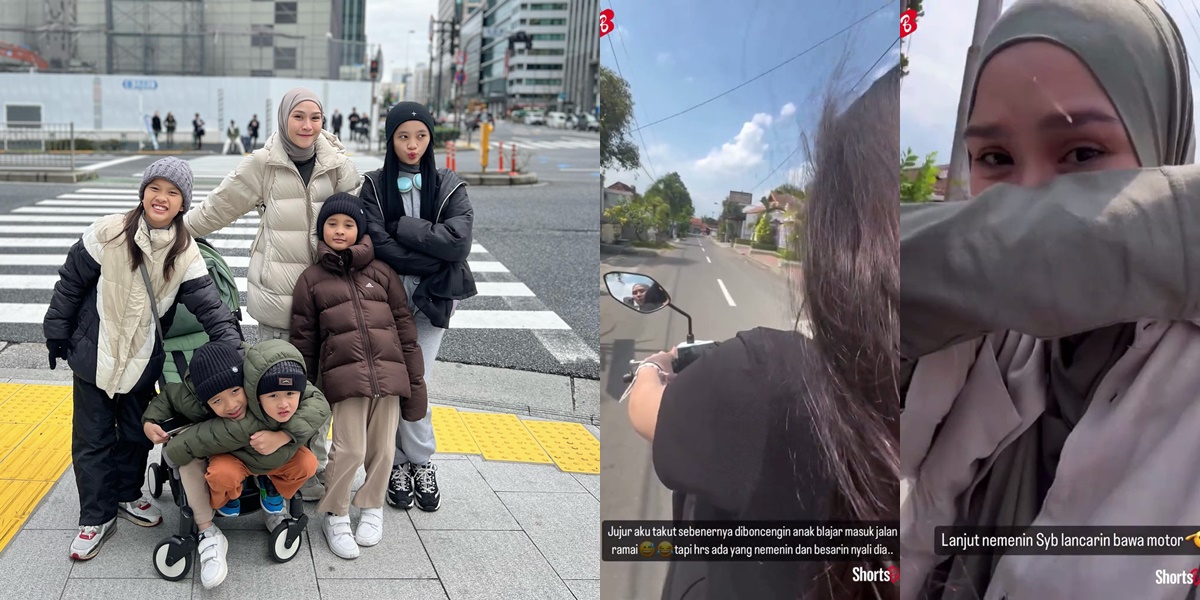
x=46 y=282
x=708 y=259
x=68 y=242
x=108 y=163
x=126 y=191
x=566 y=346
x=236 y=262
x=79 y=229
x=728 y=298
x=124 y=195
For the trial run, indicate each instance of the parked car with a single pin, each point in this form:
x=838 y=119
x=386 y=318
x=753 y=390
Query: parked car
x=557 y=120
x=589 y=123
x=535 y=117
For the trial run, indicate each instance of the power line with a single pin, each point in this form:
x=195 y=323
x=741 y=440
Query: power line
x=633 y=113
x=772 y=69
x=798 y=146
x=1194 y=30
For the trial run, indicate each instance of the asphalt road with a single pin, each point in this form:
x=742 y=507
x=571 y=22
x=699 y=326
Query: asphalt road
x=752 y=296
x=536 y=251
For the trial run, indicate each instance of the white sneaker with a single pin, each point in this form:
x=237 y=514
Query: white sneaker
x=370 y=527
x=140 y=512
x=213 y=547
x=337 y=535
x=87 y=544
x=273 y=520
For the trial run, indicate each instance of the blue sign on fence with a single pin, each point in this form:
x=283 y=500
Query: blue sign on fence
x=140 y=84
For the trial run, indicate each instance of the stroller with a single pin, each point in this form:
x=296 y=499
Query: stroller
x=174 y=555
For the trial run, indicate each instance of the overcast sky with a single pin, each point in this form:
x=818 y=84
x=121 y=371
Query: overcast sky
x=388 y=24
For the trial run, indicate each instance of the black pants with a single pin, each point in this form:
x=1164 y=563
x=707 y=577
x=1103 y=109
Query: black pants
x=108 y=450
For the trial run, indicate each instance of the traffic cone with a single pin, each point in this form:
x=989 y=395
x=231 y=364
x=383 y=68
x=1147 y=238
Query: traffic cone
x=453 y=156
x=501 y=169
x=512 y=162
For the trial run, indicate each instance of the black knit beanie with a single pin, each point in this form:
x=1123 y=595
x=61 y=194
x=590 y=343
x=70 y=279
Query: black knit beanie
x=343 y=203
x=215 y=367
x=409 y=111
x=284 y=376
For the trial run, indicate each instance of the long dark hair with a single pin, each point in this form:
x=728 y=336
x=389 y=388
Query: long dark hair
x=129 y=228
x=851 y=287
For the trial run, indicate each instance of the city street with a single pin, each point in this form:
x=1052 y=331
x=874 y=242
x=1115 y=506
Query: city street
x=534 y=250
x=724 y=293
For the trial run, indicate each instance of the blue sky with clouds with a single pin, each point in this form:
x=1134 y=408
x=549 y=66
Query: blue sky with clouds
x=677 y=53
x=938 y=55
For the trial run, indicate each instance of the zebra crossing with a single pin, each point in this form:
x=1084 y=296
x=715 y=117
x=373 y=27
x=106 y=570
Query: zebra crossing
x=562 y=143
x=34 y=240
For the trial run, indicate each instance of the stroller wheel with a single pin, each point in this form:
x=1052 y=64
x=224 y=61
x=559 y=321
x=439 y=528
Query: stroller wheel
x=155 y=479
x=281 y=551
x=167 y=570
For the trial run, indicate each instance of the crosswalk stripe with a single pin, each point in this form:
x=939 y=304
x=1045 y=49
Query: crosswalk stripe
x=127 y=191
x=79 y=229
x=130 y=196
x=46 y=282
x=6 y=242
x=236 y=262
x=463 y=319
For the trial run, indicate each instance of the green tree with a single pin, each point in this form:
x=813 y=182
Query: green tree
x=671 y=190
x=642 y=213
x=616 y=113
x=917 y=182
x=762 y=230
x=791 y=190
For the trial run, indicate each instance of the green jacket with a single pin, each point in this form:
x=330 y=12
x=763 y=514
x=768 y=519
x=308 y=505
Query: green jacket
x=218 y=436
x=178 y=400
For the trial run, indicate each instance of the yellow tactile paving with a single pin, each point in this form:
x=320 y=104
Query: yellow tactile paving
x=503 y=438
x=17 y=501
x=7 y=390
x=573 y=448
x=31 y=403
x=12 y=434
x=42 y=456
x=451 y=433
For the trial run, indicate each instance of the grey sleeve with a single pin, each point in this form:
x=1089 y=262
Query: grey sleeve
x=1082 y=252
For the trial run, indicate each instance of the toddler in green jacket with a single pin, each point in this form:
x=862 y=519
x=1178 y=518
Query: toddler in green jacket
x=267 y=411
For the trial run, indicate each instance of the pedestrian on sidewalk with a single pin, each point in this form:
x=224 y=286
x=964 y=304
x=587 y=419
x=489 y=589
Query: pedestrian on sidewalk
x=197 y=132
x=156 y=126
x=761 y=460
x=102 y=319
x=170 y=123
x=353 y=121
x=419 y=219
x=352 y=309
x=252 y=132
x=286 y=181
x=336 y=123
x=233 y=140
x=1052 y=382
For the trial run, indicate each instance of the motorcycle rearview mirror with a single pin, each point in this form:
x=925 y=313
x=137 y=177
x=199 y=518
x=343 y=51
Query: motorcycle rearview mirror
x=642 y=294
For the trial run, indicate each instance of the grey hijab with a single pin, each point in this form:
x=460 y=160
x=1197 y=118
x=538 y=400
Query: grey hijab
x=1135 y=51
x=294 y=97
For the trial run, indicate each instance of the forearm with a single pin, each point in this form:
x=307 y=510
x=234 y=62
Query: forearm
x=644 y=399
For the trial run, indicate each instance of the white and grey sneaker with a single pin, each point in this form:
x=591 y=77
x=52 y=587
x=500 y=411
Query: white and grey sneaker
x=140 y=512
x=313 y=489
x=273 y=520
x=370 y=527
x=87 y=544
x=213 y=548
x=337 y=535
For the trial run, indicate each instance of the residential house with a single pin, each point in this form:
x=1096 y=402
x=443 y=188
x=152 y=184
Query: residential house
x=784 y=219
x=751 y=215
x=618 y=193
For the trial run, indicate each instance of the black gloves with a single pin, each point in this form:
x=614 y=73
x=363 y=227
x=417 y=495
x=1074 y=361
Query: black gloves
x=58 y=349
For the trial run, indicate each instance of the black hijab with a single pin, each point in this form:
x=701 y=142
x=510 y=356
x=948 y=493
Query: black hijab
x=399 y=114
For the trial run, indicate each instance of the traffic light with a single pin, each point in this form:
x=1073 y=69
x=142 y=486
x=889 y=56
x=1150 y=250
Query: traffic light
x=374 y=69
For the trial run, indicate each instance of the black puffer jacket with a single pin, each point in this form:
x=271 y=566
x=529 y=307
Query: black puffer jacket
x=73 y=315
x=414 y=246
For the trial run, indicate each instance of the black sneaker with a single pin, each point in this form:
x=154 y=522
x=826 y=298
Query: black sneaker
x=400 y=492
x=429 y=498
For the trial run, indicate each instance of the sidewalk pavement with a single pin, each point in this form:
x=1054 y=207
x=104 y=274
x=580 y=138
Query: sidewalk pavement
x=767 y=259
x=506 y=530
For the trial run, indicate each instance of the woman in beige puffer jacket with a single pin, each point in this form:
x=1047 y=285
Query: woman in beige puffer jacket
x=287 y=181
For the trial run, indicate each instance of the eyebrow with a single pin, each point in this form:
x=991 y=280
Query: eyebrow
x=1051 y=121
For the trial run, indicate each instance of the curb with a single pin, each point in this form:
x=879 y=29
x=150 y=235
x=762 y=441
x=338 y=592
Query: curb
x=615 y=250
x=47 y=176
x=499 y=178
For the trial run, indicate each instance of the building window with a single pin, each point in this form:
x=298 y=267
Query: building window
x=544 y=52
x=285 y=13
x=554 y=6
x=549 y=37
x=263 y=36
x=261 y=73
x=546 y=21
x=285 y=59
x=542 y=67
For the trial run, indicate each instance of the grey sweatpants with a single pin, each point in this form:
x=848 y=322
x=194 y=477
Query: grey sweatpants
x=414 y=439
x=320 y=442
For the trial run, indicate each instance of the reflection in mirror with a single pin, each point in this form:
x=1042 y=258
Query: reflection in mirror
x=638 y=292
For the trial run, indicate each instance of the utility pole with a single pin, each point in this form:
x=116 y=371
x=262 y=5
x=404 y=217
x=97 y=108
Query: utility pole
x=959 y=177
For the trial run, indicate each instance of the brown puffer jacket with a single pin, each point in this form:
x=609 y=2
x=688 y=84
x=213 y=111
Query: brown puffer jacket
x=350 y=318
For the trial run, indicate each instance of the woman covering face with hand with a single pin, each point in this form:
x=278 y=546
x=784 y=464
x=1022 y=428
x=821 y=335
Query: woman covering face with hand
x=1046 y=323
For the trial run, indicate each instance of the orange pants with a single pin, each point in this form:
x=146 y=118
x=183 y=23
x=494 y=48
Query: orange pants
x=226 y=474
